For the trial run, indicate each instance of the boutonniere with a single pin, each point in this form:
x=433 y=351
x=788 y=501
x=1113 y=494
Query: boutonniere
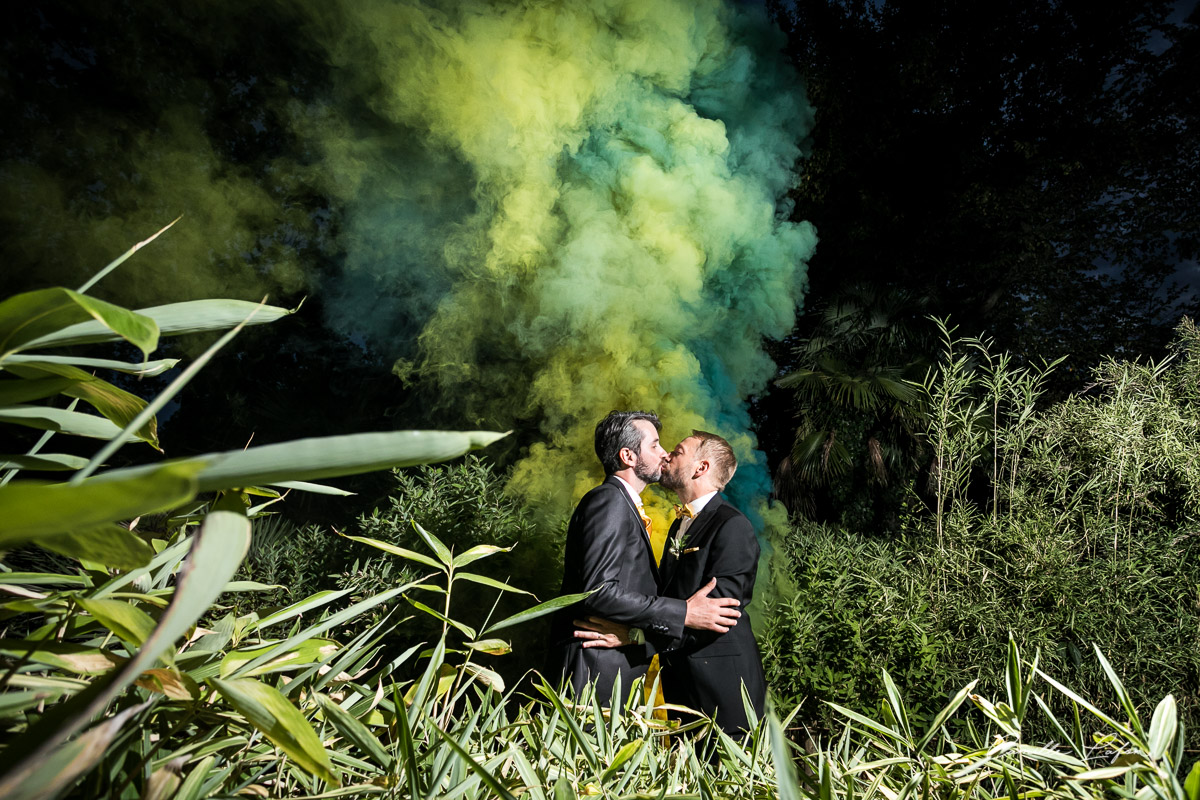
x=678 y=545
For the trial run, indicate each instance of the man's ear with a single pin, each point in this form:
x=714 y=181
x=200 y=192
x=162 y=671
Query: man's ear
x=627 y=457
x=702 y=467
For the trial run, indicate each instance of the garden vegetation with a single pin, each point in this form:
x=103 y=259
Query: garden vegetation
x=1030 y=632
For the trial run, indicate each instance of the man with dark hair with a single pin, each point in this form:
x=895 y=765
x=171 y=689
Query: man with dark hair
x=704 y=670
x=608 y=550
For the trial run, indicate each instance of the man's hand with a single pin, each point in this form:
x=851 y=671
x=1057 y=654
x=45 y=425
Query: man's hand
x=597 y=632
x=706 y=613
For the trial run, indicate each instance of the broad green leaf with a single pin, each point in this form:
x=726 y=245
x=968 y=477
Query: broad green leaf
x=624 y=754
x=145 y=369
x=127 y=621
x=215 y=553
x=172 y=683
x=15 y=392
x=1102 y=774
x=493 y=647
x=32 y=510
x=193 y=316
x=467 y=631
x=304 y=653
x=115 y=404
x=300 y=607
x=435 y=544
x=477 y=552
x=354 y=731
x=281 y=722
x=492 y=582
x=387 y=547
x=785 y=770
x=488 y=677
x=1192 y=784
x=43 y=462
x=66 y=656
x=33 y=317
x=111 y=545
x=1122 y=694
x=45 y=418
x=541 y=609
x=1162 y=727
x=314 y=488
x=251 y=586
x=326 y=457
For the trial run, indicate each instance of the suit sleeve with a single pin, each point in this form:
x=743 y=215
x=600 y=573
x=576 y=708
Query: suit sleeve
x=605 y=542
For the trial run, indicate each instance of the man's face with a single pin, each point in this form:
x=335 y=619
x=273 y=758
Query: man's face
x=680 y=464
x=650 y=456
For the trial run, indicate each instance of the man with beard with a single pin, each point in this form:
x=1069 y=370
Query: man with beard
x=703 y=670
x=608 y=550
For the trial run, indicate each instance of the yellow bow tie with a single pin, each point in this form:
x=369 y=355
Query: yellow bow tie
x=684 y=510
x=645 y=518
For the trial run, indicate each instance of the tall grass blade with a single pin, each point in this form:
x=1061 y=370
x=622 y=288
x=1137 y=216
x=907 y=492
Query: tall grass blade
x=119 y=260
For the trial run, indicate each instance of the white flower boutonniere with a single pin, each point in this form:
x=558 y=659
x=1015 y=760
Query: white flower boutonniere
x=678 y=545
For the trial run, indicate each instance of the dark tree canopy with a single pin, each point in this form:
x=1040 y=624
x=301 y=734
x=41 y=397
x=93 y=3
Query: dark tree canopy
x=1030 y=167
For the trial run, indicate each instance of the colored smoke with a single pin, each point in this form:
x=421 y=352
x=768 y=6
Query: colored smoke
x=584 y=204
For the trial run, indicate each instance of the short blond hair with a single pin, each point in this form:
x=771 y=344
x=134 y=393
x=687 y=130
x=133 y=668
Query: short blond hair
x=719 y=454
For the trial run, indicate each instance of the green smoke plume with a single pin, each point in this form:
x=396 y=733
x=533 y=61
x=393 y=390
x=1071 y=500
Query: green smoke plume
x=585 y=199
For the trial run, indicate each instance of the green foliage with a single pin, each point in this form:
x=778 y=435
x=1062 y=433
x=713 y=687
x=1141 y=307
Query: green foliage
x=116 y=636
x=1088 y=538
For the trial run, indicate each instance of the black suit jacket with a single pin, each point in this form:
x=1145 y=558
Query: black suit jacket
x=705 y=670
x=608 y=550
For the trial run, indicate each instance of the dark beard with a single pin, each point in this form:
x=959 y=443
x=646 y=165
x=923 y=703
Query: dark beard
x=669 y=481
x=647 y=473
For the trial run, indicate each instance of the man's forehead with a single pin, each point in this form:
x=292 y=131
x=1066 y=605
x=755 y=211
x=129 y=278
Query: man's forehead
x=646 y=427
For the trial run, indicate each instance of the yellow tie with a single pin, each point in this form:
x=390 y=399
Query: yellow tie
x=684 y=510
x=645 y=519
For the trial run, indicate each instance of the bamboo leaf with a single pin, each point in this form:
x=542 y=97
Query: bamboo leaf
x=43 y=462
x=468 y=631
x=940 y=719
x=30 y=318
x=483 y=580
x=15 y=392
x=1162 y=727
x=435 y=544
x=325 y=457
x=387 y=547
x=487 y=777
x=127 y=621
x=115 y=404
x=477 y=552
x=31 y=510
x=541 y=609
x=192 y=316
x=144 y=369
x=785 y=770
x=493 y=647
x=281 y=722
x=215 y=553
x=354 y=731
x=45 y=418
x=110 y=545
x=306 y=652
x=624 y=754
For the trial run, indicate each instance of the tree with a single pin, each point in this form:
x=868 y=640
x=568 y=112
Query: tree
x=1026 y=166
x=850 y=376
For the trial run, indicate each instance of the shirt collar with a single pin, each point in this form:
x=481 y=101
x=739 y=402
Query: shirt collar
x=637 y=498
x=700 y=502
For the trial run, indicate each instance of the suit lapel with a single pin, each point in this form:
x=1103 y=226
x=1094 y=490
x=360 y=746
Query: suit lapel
x=637 y=521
